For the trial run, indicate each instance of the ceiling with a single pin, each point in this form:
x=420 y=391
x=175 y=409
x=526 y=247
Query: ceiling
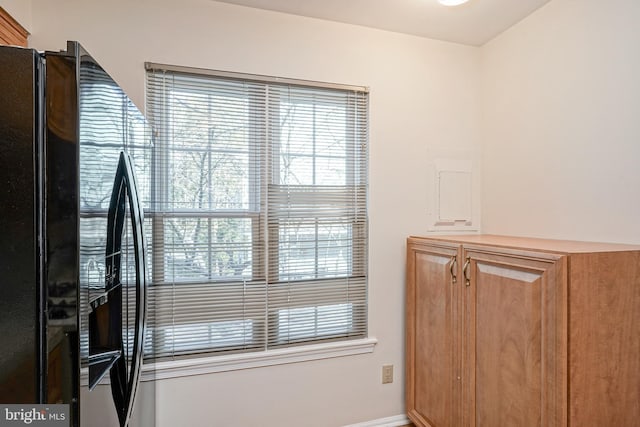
x=473 y=23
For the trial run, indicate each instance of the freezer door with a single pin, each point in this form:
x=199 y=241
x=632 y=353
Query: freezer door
x=61 y=230
x=21 y=328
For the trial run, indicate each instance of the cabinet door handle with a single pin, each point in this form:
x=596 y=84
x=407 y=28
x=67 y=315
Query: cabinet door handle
x=452 y=264
x=465 y=271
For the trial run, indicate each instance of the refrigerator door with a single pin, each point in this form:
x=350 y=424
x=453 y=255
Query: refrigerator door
x=39 y=222
x=21 y=251
x=112 y=306
x=111 y=347
x=61 y=232
x=63 y=125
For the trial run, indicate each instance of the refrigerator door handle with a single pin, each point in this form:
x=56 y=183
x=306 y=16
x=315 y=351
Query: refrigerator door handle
x=124 y=382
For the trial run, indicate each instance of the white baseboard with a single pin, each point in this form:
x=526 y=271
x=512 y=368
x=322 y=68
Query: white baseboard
x=396 y=421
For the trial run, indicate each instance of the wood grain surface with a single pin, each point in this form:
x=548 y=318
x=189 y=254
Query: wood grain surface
x=11 y=32
x=604 y=341
x=547 y=332
x=431 y=314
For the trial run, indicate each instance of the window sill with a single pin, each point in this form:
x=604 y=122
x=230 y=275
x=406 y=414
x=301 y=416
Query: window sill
x=213 y=364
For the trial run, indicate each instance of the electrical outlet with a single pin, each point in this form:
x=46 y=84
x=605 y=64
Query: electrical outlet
x=387 y=374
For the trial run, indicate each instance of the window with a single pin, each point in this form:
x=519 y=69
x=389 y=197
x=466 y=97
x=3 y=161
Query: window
x=258 y=212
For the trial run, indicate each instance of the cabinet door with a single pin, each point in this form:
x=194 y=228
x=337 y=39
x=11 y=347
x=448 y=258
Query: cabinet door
x=432 y=313
x=514 y=354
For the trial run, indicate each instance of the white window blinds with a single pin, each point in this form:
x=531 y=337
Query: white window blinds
x=259 y=212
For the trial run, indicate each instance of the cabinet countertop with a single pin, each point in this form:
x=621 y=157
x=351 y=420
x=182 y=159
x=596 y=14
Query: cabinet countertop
x=537 y=244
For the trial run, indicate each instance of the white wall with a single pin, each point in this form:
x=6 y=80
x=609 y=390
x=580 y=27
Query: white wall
x=424 y=96
x=561 y=104
x=561 y=144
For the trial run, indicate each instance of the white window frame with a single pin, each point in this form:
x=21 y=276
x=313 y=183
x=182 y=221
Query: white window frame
x=274 y=355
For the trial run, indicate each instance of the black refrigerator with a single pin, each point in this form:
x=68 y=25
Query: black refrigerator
x=72 y=250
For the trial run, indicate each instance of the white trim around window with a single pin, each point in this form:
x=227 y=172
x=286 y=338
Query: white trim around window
x=212 y=364
x=258 y=359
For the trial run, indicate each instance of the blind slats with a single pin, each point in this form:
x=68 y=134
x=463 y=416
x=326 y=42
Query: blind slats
x=258 y=213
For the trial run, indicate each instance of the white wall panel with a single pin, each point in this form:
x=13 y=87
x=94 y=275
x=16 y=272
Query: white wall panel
x=561 y=101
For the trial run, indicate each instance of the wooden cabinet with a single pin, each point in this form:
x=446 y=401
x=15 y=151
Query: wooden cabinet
x=505 y=331
x=11 y=32
x=512 y=355
x=433 y=330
